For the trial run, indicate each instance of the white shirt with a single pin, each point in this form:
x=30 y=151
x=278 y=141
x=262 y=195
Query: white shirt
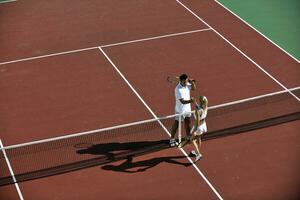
x=182 y=92
x=202 y=128
x=204 y=113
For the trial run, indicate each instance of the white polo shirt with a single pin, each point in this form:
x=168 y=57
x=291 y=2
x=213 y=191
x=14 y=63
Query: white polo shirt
x=182 y=93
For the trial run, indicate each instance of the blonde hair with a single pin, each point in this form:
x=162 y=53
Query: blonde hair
x=203 y=101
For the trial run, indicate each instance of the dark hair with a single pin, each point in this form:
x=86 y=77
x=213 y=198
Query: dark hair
x=183 y=77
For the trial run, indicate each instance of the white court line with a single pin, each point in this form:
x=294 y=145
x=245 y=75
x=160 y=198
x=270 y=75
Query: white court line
x=47 y=55
x=8 y=1
x=257 y=31
x=149 y=109
x=241 y=52
x=154 y=38
x=11 y=171
x=102 y=46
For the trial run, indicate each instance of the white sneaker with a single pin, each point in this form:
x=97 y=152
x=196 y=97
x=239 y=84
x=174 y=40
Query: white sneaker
x=173 y=143
x=194 y=153
x=198 y=157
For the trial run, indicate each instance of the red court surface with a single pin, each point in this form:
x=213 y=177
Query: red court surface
x=271 y=58
x=72 y=92
x=78 y=92
x=218 y=68
x=260 y=164
x=80 y=24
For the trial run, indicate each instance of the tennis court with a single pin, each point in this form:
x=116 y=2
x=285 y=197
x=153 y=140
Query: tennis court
x=96 y=71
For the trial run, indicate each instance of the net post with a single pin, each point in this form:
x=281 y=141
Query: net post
x=179 y=128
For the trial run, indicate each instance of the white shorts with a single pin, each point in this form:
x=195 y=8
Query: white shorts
x=201 y=129
x=183 y=116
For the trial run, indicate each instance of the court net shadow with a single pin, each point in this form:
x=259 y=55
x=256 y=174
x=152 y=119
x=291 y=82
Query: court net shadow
x=128 y=166
x=95 y=155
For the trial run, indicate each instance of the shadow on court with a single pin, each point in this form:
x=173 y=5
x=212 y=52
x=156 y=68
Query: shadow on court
x=106 y=153
x=128 y=166
x=83 y=157
x=117 y=150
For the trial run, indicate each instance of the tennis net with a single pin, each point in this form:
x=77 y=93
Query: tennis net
x=91 y=148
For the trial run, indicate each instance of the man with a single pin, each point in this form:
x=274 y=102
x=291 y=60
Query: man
x=183 y=106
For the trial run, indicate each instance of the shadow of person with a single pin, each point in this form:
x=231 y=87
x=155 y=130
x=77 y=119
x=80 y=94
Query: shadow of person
x=117 y=150
x=129 y=167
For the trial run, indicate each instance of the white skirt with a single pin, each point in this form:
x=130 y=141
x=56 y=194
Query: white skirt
x=201 y=129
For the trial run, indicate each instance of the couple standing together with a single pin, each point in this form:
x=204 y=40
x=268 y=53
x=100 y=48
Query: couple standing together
x=183 y=108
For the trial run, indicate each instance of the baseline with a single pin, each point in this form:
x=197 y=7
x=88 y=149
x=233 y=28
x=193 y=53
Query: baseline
x=7 y=1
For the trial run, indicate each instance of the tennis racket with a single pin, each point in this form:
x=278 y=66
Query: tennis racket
x=173 y=79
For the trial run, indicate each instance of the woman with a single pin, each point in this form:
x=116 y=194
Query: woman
x=200 y=126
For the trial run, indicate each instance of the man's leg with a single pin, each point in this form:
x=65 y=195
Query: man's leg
x=173 y=133
x=187 y=126
x=174 y=129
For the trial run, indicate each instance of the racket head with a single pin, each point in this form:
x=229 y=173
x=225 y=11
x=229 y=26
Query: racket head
x=173 y=79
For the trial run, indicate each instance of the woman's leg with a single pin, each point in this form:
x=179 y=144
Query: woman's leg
x=195 y=139
x=199 y=144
